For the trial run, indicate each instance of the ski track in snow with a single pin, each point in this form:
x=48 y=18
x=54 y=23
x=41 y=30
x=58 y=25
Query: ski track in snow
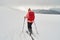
x=11 y=23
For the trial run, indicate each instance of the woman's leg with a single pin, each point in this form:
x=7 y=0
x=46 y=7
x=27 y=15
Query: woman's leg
x=30 y=27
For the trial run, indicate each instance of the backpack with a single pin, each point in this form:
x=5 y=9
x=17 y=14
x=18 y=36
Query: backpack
x=31 y=16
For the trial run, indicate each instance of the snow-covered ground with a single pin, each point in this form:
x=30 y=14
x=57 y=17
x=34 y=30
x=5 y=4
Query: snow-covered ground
x=11 y=23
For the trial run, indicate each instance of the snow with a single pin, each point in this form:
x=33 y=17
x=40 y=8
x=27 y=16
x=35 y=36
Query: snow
x=11 y=24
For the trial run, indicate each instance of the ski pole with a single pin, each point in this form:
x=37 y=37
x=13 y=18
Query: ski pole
x=35 y=27
x=23 y=25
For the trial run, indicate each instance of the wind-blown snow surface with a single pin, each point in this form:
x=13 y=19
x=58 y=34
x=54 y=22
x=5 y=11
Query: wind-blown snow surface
x=11 y=23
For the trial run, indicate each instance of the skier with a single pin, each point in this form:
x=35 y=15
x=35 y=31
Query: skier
x=30 y=16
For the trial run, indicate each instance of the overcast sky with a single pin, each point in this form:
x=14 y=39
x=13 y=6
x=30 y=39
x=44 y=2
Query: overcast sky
x=29 y=2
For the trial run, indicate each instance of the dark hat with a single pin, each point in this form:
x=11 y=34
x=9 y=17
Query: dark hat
x=29 y=9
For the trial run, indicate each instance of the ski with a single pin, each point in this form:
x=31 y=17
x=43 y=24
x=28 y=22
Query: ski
x=30 y=35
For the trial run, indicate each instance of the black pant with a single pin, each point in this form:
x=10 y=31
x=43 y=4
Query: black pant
x=29 y=27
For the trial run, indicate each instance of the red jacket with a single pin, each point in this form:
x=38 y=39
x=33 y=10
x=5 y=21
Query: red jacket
x=30 y=16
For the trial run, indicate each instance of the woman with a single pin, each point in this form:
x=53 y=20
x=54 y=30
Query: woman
x=30 y=19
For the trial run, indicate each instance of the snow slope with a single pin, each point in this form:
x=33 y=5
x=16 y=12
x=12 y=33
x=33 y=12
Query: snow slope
x=11 y=23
